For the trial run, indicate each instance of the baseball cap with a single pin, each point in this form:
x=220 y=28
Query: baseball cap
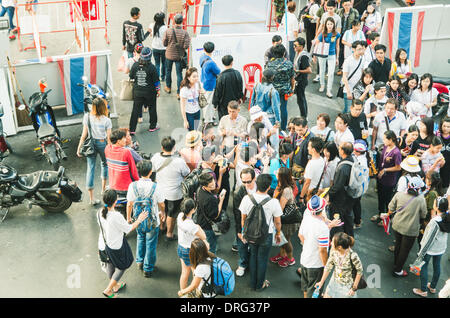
x=146 y=53
x=360 y=146
x=379 y=85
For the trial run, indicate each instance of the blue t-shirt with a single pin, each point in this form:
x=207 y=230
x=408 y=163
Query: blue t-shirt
x=210 y=71
x=275 y=165
x=332 y=39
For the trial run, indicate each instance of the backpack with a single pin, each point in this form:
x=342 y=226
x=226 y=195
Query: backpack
x=359 y=179
x=190 y=184
x=145 y=204
x=255 y=227
x=222 y=278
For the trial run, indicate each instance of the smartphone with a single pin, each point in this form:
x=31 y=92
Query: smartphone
x=222 y=193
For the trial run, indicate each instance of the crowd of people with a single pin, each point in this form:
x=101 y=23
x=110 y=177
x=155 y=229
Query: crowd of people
x=276 y=163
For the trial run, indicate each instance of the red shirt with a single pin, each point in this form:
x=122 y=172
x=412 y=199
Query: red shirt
x=121 y=167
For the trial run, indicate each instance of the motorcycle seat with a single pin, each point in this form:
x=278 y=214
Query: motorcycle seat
x=441 y=80
x=46 y=130
x=30 y=182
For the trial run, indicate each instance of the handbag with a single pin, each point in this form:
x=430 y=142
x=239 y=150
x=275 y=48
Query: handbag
x=126 y=89
x=87 y=149
x=293 y=213
x=322 y=49
x=184 y=59
x=340 y=92
x=202 y=101
x=220 y=226
x=362 y=282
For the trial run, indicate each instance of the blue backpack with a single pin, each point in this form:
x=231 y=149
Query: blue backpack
x=222 y=278
x=145 y=204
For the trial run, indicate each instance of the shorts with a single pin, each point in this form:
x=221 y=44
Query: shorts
x=183 y=253
x=172 y=207
x=310 y=277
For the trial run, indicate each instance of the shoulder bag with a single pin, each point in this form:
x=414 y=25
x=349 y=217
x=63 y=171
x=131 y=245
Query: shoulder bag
x=87 y=149
x=322 y=49
x=340 y=92
x=184 y=56
x=362 y=282
x=126 y=89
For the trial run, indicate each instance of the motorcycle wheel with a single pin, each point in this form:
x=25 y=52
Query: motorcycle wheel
x=58 y=202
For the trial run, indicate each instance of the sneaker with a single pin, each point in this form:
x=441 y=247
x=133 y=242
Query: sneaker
x=154 y=128
x=234 y=248
x=240 y=271
x=284 y=262
x=316 y=79
x=329 y=95
x=148 y=274
x=356 y=226
x=339 y=73
x=290 y=261
x=322 y=89
x=94 y=202
x=168 y=90
x=12 y=37
x=276 y=258
x=132 y=133
x=403 y=273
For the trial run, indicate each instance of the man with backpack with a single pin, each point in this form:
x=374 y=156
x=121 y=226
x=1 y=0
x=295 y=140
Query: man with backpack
x=259 y=215
x=341 y=202
x=145 y=196
x=170 y=171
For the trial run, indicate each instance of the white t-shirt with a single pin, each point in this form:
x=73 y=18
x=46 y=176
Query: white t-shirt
x=203 y=271
x=397 y=124
x=328 y=176
x=350 y=37
x=114 y=227
x=272 y=208
x=314 y=170
x=342 y=137
x=144 y=187
x=292 y=25
x=157 y=40
x=186 y=231
x=425 y=98
x=350 y=65
x=169 y=179
x=99 y=126
x=323 y=133
x=8 y=3
x=373 y=20
x=369 y=56
x=191 y=96
x=316 y=234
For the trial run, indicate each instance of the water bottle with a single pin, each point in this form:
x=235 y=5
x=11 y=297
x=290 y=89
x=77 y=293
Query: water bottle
x=316 y=293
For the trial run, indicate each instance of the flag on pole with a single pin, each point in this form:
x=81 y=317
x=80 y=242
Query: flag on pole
x=71 y=71
x=404 y=30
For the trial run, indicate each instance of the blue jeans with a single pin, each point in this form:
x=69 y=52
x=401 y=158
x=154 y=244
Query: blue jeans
x=291 y=51
x=212 y=240
x=146 y=248
x=259 y=257
x=347 y=104
x=436 y=271
x=243 y=253
x=179 y=72
x=193 y=120
x=160 y=63
x=283 y=111
x=10 y=11
x=91 y=161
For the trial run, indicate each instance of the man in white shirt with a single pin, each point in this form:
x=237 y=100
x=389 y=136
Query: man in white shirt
x=291 y=26
x=389 y=119
x=375 y=103
x=170 y=172
x=353 y=66
x=314 y=168
x=369 y=54
x=232 y=126
x=314 y=235
x=259 y=253
x=343 y=133
x=147 y=240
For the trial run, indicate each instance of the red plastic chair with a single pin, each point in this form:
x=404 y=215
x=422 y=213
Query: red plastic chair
x=249 y=79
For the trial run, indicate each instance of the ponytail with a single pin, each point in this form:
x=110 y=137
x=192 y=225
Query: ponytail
x=187 y=206
x=109 y=198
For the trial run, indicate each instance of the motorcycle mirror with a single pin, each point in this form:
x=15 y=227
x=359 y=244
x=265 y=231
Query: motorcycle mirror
x=21 y=107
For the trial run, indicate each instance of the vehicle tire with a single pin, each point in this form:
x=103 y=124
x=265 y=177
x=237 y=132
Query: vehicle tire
x=59 y=202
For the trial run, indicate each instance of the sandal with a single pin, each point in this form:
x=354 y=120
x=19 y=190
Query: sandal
x=121 y=286
x=265 y=285
x=113 y=295
x=419 y=292
x=375 y=218
x=432 y=290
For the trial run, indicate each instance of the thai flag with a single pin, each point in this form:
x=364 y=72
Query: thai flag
x=405 y=31
x=71 y=71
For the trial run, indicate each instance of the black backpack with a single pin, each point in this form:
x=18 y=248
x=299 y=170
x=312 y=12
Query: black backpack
x=190 y=184
x=255 y=227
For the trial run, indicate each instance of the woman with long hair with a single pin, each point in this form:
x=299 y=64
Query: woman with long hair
x=112 y=242
x=189 y=92
x=331 y=36
x=364 y=88
x=285 y=194
x=188 y=231
x=388 y=170
x=411 y=84
x=310 y=19
x=444 y=134
x=371 y=19
x=267 y=97
x=423 y=141
x=394 y=90
x=401 y=66
x=98 y=125
x=200 y=259
x=406 y=142
x=159 y=50
x=426 y=94
x=331 y=156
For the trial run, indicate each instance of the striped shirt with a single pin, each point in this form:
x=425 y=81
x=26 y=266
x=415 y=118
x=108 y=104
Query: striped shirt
x=121 y=167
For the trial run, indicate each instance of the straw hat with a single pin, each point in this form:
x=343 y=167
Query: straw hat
x=410 y=164
x=193 y=138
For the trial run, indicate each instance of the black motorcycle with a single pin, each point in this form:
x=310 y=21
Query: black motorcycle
x=45 y=125
x=50 y=190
